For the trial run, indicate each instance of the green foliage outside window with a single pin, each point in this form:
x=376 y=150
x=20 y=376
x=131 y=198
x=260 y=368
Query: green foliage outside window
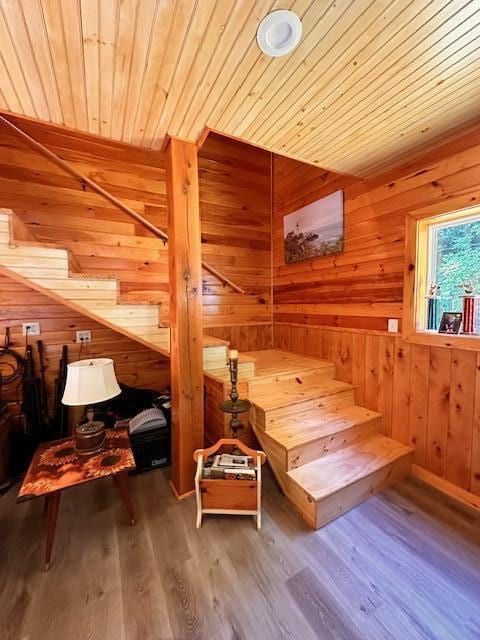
x=457 y=259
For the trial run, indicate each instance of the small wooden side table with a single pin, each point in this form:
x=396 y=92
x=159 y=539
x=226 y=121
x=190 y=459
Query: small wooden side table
x=56 y=466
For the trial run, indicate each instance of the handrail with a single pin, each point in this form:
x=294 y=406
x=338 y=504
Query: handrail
x=85 y=181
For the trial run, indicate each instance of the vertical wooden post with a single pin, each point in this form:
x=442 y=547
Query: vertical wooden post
x=185 y=281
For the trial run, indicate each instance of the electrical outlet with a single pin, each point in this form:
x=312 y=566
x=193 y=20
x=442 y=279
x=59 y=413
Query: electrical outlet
x=31 y=328
x=393 y=325
x=83 y=336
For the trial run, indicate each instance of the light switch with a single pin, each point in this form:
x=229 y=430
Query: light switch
x=393 y=325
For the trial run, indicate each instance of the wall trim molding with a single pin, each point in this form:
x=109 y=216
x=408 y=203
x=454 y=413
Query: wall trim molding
x=452 y=491
x=328 y=327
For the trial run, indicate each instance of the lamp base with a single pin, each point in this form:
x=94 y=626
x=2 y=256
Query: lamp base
x=89 y=438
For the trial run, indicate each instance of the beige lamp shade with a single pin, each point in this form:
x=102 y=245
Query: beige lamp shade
x=89 y=382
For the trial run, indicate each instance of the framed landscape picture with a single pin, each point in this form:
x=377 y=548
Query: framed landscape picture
x=314 y=230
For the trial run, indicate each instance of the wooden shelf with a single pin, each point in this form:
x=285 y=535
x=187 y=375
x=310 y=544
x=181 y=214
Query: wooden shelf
x=452 y=341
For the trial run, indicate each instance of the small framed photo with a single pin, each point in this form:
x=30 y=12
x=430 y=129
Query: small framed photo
x=451 y=322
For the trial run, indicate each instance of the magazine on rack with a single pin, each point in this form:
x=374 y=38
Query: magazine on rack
x=228 y=460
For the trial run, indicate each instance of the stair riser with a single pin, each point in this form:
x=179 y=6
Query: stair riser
x=120 y=312
x=125 y=323
x=277 y=457
x=324 y=373
x=245 y=371
x=266 y=419
x=71 y=288
x=319 y=514
x=162 y=341
x=339 y=503
x=32 y=273
x=41 y=253
x=214 y=358
x=104 y=299
x=315 y=449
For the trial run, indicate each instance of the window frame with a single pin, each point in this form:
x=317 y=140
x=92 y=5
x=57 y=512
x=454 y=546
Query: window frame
x=417 y=264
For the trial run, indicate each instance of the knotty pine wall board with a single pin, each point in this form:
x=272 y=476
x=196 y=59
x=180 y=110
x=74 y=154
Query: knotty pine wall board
x=54 y=206
x=235 y=212
x=235 y=208
x=370 y=269
x=429 y=396
x=336 y=307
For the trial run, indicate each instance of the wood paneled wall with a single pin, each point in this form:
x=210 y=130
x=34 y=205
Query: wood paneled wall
x=337 y=307
x=363 y=286
x=104 y=239
x=235 y=207
x=135 y=365
x=235 y=210
x=245 y=338
x=358 y=288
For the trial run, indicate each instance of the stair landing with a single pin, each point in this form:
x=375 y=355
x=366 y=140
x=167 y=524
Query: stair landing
x=277 y=364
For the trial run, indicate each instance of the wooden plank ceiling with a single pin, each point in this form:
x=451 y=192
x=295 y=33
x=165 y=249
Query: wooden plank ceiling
x=371 y=82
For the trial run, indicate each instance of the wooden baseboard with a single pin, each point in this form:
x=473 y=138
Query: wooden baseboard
x=183 y=495
x=457 y=493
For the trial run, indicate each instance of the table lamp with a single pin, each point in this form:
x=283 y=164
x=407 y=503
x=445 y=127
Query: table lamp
x=88 y=382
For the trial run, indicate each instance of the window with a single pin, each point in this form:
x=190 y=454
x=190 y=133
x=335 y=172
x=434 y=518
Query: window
x=453 y=259
x=443 y=263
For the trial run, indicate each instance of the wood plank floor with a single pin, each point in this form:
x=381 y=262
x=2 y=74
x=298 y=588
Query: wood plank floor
x=403 y=565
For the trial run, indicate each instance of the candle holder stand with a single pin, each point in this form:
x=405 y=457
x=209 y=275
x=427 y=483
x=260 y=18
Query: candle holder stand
x=235 y=404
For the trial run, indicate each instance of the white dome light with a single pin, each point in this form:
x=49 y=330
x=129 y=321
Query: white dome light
x=279 y=33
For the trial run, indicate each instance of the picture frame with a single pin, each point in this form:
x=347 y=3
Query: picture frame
x=315 y=230
x=451 y=322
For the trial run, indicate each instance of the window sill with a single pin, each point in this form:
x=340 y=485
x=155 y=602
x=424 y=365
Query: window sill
x=435 y=339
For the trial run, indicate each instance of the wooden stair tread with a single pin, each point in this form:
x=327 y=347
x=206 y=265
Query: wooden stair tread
x=282 y=393
x=312 y=425
x=275 y=362
x=332 y=473
x=212 y=341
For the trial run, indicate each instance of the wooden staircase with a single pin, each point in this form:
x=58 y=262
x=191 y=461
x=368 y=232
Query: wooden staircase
x=328 y=454
x=54 y=272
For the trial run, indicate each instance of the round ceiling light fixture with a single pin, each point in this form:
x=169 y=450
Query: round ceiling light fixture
x=279 y=33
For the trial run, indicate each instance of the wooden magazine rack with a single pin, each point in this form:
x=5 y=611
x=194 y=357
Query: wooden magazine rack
x=231 y=497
